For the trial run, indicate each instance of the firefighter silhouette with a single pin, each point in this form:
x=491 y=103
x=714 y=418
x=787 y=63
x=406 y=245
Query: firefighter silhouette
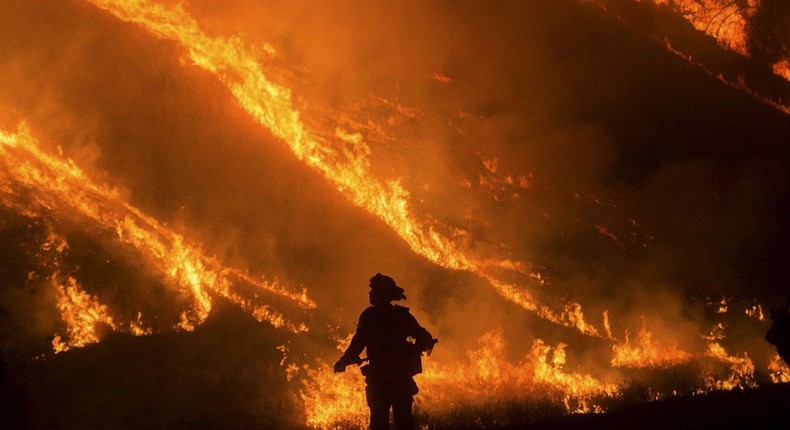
x=395 y=342
x=779 y=333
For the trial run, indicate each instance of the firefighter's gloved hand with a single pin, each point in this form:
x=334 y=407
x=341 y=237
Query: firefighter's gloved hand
x=426 y=345
x=344 y=361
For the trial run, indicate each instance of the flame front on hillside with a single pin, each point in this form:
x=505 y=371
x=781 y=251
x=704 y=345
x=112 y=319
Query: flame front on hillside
x=567 y=359
x=60 y=187
x=348 y=167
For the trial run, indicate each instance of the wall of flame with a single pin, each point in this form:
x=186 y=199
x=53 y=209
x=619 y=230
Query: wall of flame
x=258 y=155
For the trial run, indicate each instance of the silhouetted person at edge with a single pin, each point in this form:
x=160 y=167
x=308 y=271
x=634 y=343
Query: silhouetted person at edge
x=385 y=330
x=779 y=333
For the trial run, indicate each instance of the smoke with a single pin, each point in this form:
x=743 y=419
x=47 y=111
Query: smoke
x=769 y=37
x=539 y=132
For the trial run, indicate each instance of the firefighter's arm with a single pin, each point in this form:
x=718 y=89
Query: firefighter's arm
x=351 y=355
x=422 y=337
x=346 y=360
x=426 y=344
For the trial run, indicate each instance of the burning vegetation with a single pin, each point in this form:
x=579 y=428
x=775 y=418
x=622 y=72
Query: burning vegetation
x=545 y=252
x=754 y=30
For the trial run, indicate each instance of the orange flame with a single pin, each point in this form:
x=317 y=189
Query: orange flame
x=646 y=352
x=441 y=77
x=81 y=312
x=756 y=312
x=724 y=20
x=346 y=166
x=782 y=68
x=741 y=373
x=342 y=156
x=334 y=399
x=778 y=371
x=61 y=186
